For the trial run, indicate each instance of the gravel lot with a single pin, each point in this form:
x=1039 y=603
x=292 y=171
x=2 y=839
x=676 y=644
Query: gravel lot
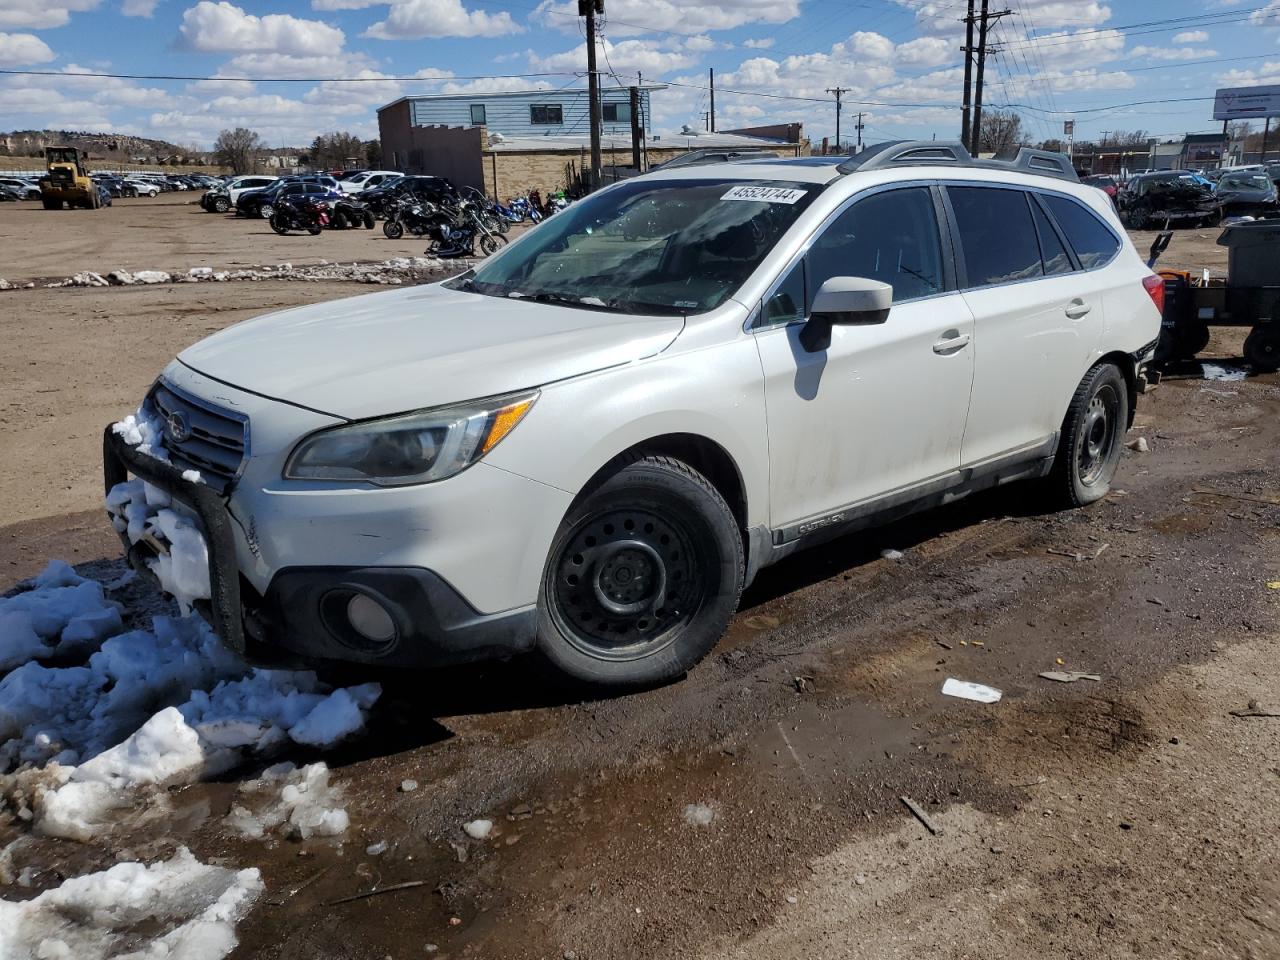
x=1131 y=817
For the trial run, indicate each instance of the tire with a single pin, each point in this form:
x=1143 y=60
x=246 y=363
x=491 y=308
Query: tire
x=1262 y=348
x=1191 y=339
x=52 y=204
x=1092 y=439
x=279 y=225
x=221 y=205
x=392 y=229
x=368 y=220
x=488 y=245
x=266 y=211
x=502 y=225
x=642 y=577
x=339 y=221
x=314 y=230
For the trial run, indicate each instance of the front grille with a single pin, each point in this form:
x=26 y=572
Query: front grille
x=201 y=436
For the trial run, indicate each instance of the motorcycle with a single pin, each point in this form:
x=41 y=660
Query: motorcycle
x=457 y=232
x=520 y=209
x=414 y=216
x=349 y=212
x=301 y=214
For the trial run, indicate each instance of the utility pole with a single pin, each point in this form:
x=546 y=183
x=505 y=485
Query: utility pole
x=975 y=133
x=712 y=72
x=839 y=92
x=1266 y=133
x=589 y=9
x=968 y=78
x=635 y=129
x=859 y=128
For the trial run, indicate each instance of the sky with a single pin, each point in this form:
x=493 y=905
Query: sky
x=275 y=65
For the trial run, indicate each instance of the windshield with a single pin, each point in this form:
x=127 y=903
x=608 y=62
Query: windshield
x=1245 y=181
x=645 y=246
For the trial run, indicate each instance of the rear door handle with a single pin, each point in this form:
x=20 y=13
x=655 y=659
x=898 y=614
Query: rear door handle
x=951 y=342
x=1077 y=308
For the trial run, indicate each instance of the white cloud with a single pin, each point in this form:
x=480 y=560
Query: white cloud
x=1078 y=49
x=1268 y=16
x=345 y=4
x=1269 y=72
x=1172 y=53
x=642 y=16
x=41 y=14
x=626 y=57
x=23 y=50
x=926 y=52
x=335 y=64
x=1190 y=36
x=220 y=87
x=763 y=43
x=225 y=28
x=415 y=19
x=138 y=8
x=943 y=17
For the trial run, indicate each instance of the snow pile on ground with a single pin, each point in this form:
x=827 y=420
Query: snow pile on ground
x=299 y=803
x=64 y=615
x=145 y=708
x=187 y=909
x=396 y=270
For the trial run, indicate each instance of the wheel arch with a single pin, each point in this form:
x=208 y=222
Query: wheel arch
x=1128 y=367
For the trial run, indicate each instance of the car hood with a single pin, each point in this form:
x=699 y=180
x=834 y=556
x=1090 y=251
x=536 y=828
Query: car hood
x=420 y=347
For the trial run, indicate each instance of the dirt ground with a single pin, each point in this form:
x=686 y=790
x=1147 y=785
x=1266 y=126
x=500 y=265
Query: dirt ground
x=169 y=232
x=1128 y=817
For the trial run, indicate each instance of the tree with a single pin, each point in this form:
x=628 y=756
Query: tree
x=331 y=151
x=1001 y=131
x=237 y=149
x=373 y=154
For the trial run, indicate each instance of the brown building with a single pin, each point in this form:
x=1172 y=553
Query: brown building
x=505 y=165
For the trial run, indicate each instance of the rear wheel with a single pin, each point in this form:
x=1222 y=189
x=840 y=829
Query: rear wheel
x=1262 y=348
x=1090 y=444
x=221 y=205
x=368 y=220
x=642 y=578
x=266 y=211
x=52 y=204
x=314 y=229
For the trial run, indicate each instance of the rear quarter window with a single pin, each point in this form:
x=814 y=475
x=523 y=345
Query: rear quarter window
x=1093 y=242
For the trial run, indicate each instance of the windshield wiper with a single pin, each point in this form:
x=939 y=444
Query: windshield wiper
x=584 y=303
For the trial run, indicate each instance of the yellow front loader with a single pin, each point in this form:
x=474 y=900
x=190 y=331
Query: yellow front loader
x=67 y=181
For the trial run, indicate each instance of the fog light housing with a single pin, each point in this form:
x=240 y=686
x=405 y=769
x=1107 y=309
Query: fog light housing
x=370 y=619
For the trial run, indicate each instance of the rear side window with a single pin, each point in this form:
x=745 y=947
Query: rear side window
x=996 y=234
x=1093 y=243
x=1053 y=255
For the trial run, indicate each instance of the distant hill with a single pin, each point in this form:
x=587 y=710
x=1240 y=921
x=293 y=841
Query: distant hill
x=101 y=146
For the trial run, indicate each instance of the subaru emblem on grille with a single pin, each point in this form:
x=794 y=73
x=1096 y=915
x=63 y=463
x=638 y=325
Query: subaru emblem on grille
x=179 y=429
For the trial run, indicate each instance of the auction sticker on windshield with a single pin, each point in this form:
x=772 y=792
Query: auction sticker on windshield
x=764 y=194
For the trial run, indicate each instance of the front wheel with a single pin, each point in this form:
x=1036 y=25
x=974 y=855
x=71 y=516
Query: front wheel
x=221 y=205
x=392 y=229
x=642 y=578
x=314 y=229
x=488 y=245
x=1090 y=445
x=279 y=224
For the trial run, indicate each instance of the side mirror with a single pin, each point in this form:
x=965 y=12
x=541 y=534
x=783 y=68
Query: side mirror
x=846 y=300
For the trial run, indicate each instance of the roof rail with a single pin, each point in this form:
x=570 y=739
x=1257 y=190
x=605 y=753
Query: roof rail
x=952 y=153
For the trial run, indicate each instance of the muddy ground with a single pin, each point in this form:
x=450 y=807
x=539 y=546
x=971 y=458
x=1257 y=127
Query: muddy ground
x=1129 y=817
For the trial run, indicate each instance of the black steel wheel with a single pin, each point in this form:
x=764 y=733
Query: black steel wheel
x=1262 y=348
x=1091 y=441
x=643 y=577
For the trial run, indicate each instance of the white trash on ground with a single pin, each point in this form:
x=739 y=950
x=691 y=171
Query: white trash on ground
x=699 y=815
x=967 y=690
x=192 y=909
x=1220 y=371
x=478 y=829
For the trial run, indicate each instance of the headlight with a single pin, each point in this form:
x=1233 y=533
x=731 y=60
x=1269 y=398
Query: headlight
x=414 y=447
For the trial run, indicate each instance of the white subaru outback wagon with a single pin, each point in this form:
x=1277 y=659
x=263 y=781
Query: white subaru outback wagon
x=592 y=441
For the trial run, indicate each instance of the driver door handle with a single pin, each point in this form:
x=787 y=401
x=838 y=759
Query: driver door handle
x=952 y=341
x=1077 y=308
